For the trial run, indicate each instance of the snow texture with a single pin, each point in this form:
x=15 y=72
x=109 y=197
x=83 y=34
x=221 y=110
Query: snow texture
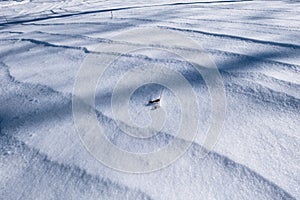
x=256 y=47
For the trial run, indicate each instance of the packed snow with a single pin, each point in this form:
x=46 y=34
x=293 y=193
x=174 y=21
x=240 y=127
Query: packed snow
x=254 y=44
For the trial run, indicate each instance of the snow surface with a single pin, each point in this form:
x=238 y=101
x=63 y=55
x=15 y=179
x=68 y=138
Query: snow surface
x=255 y=45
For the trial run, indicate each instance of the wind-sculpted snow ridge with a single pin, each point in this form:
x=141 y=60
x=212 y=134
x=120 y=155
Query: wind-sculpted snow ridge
x=38 y=171
x=28 y=174
x=62 y=108
x=255 y=45
x=238 y=38
x=55 y=15
x=265 y=94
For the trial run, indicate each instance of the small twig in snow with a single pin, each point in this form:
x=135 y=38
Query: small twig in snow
x=156 y=102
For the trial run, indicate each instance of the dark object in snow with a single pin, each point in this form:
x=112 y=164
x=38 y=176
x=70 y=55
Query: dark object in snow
x=154 y=101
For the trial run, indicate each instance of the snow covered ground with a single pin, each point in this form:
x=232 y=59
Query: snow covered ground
x=254 y=44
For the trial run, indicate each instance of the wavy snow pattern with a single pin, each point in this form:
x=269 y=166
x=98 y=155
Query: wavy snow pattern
x=41 y=156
